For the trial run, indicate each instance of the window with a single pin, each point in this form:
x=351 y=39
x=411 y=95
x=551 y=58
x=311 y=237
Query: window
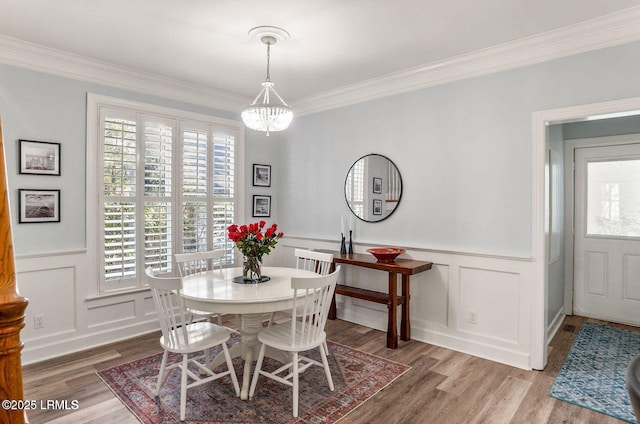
x=613 y=198
x=165 y=183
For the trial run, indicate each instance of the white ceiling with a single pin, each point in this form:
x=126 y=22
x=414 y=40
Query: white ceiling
x=333 y=44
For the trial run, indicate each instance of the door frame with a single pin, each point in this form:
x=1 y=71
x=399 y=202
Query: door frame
x=540 y=213
x=569 y=202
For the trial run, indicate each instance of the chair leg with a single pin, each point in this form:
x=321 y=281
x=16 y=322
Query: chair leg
x=256 y=372
x=207 y=357
x=325 y=365
x=326 y=348
x=183 y=387
x=273 y=314
x=295 y=384
x=163 y=365
x=232 y=371
x=220 y=319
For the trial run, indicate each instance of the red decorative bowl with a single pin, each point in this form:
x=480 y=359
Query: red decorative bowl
x=386 y=255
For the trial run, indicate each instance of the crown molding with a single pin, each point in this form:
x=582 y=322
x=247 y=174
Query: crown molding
x=605 y=31
x=52 y=61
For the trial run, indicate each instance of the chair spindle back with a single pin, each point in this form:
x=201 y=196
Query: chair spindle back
x=312 y=301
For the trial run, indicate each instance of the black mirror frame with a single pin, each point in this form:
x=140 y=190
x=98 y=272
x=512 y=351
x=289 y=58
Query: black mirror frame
x=399 y=197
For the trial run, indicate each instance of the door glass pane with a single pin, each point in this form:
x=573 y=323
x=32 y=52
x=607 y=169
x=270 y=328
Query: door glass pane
x=613 y=205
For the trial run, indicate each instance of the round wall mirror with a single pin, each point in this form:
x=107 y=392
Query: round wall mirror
x=373 y=188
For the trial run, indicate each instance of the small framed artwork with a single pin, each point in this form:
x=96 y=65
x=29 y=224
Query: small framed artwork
x=377 y=185
x=377 y=206
x=38 y=206
x=39 y=157
x=262 y=206
x=261 y=175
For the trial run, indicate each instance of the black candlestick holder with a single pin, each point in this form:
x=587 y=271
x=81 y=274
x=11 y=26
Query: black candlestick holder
x=343 y=246
x=350 y=242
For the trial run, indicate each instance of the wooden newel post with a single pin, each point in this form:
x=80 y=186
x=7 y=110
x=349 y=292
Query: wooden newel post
x=12 y=307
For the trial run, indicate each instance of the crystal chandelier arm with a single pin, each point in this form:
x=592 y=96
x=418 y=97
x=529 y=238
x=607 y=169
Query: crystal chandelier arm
x=258 y=96
x=278 y=96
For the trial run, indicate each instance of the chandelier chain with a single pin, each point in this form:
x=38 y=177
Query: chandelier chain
x=268 y=60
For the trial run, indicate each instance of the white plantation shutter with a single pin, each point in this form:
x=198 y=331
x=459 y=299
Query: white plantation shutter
x=223 y=176
x=194 y=163
x=194 y=222
x=158 y=250
x=119 y=180
x=158 y=192
x=208 y=162
x=119 y=241
x=167 y=185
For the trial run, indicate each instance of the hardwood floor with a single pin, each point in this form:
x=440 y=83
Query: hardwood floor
x=443 y=386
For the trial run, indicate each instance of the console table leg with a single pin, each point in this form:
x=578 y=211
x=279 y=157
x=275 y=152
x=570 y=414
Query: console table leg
x=333 y=312
x=405 y=322
x=392 y=306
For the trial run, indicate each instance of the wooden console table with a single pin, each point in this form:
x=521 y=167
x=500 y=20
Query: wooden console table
x=404 y=267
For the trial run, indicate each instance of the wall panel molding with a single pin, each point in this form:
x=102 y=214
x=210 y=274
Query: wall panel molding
x=503 y=331
x=56 y=284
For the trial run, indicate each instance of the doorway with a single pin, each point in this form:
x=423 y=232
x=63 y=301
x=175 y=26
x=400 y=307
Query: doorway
x=540 y=334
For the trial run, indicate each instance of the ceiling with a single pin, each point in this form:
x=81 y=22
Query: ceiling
x=333 y=43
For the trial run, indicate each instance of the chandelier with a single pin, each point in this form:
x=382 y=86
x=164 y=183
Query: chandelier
x=268 y=112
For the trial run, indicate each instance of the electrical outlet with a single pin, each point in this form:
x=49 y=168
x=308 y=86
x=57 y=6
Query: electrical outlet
x=473 y=317
x=38 y=321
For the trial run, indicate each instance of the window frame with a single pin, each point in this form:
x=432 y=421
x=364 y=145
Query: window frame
x=95 y=161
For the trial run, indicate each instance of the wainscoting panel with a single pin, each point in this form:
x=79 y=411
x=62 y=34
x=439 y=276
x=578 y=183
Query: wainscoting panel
x=56 y=285
x=496 y=288
x=51 y=294
x=149 y=308
x=111 y=314
x=481 y=290
x=489 y=290
x=429 y=297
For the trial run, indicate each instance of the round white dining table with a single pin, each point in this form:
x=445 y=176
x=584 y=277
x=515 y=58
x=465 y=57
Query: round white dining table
x=214 y=291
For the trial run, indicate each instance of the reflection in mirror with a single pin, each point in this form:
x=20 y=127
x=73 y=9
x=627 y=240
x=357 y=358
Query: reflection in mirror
x=373 y=188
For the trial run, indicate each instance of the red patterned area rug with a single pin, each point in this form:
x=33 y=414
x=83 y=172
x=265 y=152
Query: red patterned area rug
x=356 y=376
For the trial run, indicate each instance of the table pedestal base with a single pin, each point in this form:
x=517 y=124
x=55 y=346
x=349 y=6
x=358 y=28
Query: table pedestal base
x=247 y=349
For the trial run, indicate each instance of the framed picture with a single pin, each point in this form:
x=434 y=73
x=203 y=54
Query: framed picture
x=377 y=206
x=39 y=157
x=262 y=206
x=377 y=185
x=39 y=206
x=261 y=175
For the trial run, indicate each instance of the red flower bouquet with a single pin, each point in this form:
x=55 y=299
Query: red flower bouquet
x=253 y=241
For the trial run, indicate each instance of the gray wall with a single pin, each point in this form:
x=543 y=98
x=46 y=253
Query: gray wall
x=463 y=149
x=42 y=107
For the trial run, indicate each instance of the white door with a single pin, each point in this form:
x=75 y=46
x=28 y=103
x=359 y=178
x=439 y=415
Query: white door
x=607 y=233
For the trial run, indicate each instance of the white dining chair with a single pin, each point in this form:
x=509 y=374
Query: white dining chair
x=196 y=262
x=305 y=331
x=310 y=260
x=177 y=337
